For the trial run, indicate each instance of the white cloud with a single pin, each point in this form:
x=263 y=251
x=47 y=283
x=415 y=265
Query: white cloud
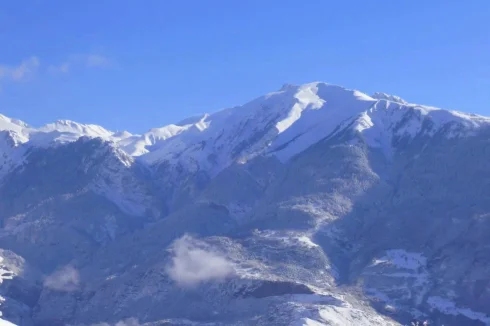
x=194 y=262
x=64 y=279
x=26 y=69
x=81 y=60
x=61 y=68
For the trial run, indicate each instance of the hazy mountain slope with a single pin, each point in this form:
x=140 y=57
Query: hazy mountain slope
x=313 y=205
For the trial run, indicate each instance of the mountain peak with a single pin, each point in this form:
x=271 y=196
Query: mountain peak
x=284 y=123
x=7 y=123
x=388 y=97
x=192 y=120
x=287 y=87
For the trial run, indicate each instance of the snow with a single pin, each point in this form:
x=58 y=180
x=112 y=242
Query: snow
x=115 y=184
x=52 y=138
x=387 y=120
x=449 y=308
x=4 y=322
x=311 y=322
x=191 y=120
x=402 y=259
x=58 y=132
x=334 y=310
x=408 y=273
x=281 y=124
x=139 y=145
x=306 y=241
x=77 y=128
x=290 y=238
x=388 y=97
x=341 y=316
x=160 y=134
x=5 y=274
x=7 y=123
x=10 y=154
x=306 y=98
x=328 y=106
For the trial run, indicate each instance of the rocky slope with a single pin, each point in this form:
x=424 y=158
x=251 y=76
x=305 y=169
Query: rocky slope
x=312 y=205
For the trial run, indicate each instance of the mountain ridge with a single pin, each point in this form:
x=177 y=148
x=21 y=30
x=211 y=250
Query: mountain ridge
x=294 y=117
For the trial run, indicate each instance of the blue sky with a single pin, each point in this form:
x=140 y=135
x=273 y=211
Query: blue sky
x=134 y=65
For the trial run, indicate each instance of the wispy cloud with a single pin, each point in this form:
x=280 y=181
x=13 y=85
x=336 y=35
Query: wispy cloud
x=23 y=71
x=61 y=68
x=194 y=262
x=29 y=67
x=65 y=279
x=75 y=61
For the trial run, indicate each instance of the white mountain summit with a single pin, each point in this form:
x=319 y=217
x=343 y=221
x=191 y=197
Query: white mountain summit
x=282 y=123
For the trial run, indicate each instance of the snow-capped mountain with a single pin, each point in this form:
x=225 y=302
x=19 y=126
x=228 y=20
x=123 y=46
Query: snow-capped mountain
x=311 y=205
x=282 y=123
